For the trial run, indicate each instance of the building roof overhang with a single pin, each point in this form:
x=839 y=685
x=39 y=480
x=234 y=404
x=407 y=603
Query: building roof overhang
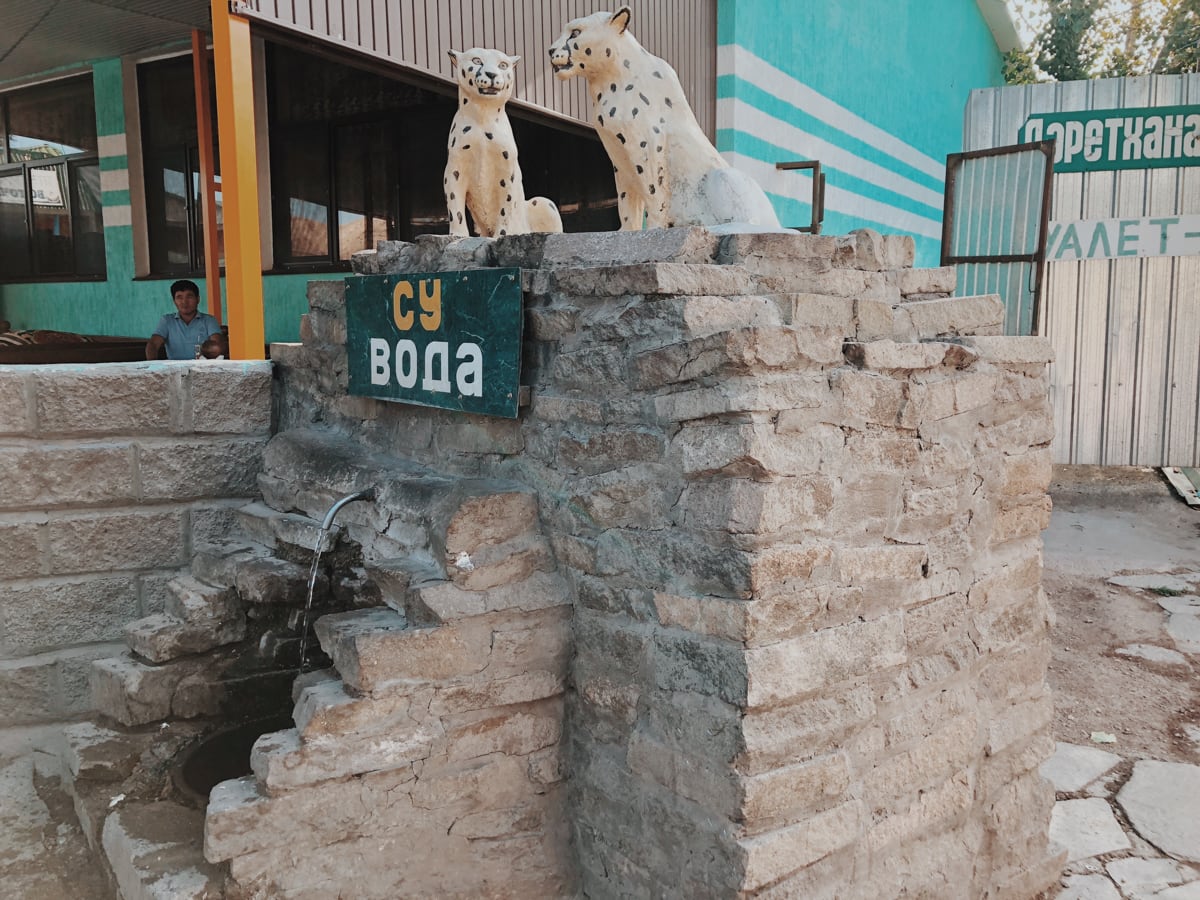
x=59 y=35
x=999 y=19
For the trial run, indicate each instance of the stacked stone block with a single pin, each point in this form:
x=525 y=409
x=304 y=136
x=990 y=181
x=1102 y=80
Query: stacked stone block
x=431 y=753
x=109 y=476
x=797 y=491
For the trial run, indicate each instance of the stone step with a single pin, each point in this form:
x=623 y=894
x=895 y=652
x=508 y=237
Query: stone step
x=955 y=316
x=218 y=564
x=134 y=692
x=270 y=527
x=266 y=580
x=198 y=603
x=377 y=651
x=162 y=637
x=92 y=752
x=155 y=851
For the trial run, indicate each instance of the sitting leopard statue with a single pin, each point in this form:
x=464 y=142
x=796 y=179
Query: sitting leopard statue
x=665 y=167
x=482 y=174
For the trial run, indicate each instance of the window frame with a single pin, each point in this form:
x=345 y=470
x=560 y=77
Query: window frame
x=187 y=151
x=68 y=163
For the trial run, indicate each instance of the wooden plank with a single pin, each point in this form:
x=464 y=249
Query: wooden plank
x=1182 y=484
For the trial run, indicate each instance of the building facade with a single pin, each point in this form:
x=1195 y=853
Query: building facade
x=102 y=164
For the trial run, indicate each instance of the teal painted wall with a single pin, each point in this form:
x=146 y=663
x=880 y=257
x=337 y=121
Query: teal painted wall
x=875 y=90
x=121 y=305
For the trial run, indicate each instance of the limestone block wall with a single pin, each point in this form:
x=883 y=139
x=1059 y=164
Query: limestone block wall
x=797 y=492
x=427 y=762
x=108 y=475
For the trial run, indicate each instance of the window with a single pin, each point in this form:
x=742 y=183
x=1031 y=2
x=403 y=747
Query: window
x=50 y=212
x=357 y=158
x=171 y=162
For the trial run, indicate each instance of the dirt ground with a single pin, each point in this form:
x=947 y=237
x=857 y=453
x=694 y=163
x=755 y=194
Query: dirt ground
x=1106 y=523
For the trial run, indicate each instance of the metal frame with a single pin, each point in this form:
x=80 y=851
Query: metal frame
x=954 y=163
x=818 y=199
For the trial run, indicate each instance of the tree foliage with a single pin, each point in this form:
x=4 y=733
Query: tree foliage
x=1079 y=39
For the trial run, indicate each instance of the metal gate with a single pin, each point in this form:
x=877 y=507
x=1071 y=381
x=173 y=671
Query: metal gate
x=994 y=226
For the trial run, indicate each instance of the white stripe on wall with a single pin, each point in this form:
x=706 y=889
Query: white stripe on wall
x=797 y=186
x=117 y=215
x=114 y=180
x=735 y=60
x=111 y=145
x=750 y=120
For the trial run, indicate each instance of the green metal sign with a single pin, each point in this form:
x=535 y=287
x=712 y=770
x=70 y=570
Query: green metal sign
x=445 y=339
x=1158 y=137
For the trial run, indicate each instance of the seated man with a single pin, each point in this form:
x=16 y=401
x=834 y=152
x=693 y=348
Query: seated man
x=187 y=333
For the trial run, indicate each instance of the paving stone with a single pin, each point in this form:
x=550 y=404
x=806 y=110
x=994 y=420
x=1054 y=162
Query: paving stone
x=1184 y=629
x=1086 y=828
x=1088 y=887
x=1189 y=891
x=1152 y=581
x=1073 y=767
x=1153 y=653
x=1140 y=878
x=1162 y=800
x=1186 y=604
x=155 y=853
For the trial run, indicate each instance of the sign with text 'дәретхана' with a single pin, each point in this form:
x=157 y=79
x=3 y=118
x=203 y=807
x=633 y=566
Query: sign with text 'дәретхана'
x=445 y=339
x=1158 y=137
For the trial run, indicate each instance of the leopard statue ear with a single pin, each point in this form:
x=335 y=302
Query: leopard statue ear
x=513 y=60
x=620 y=19
x=453 y=54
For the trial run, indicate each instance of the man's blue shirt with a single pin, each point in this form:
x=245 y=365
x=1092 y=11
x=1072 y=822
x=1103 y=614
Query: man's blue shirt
x=184 y=338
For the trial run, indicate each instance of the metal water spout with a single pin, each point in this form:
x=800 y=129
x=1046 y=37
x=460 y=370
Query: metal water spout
x=326 y=525
x=327 y=522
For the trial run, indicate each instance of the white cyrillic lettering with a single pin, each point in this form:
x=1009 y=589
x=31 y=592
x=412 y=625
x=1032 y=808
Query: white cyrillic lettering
x=1093 y=140
x=1173 y=137
x=1054 y=131
x=1113 y=126
x=1191 y=141
x=380 y=353
x=406 y=364
x=469 y=376
x=1033 y=131
x=438 y=352
x=1074 y=140
x=1131 y=150
x=1152 y=145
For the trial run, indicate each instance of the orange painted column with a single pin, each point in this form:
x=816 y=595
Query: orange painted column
x=239 y=182
x=208 y=188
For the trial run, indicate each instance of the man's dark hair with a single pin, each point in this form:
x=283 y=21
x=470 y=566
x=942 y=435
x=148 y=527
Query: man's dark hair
x=185 y=285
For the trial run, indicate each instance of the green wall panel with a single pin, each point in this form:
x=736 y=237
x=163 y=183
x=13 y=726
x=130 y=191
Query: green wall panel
x=873 y=89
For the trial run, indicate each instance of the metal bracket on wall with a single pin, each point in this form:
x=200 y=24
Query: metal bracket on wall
x=818 y=192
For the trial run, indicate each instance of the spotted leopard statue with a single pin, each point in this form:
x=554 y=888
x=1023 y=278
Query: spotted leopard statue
x=665 y=167
x=482 y=174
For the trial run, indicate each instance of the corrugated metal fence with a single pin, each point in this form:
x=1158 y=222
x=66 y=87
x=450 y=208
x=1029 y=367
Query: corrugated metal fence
x=415 y=34
x=1126 y=332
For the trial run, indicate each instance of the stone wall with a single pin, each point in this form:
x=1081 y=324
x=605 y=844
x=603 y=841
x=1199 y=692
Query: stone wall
x=796 y=492
x=108 y=476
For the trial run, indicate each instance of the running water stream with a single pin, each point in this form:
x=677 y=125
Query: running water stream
x=323 y=543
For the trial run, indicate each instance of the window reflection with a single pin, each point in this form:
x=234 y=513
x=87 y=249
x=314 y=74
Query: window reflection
x=50 y=211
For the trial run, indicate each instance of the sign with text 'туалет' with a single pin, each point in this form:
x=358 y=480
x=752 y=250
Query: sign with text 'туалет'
x=1157 y=137
x=445 y=339
x=1120 y=238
